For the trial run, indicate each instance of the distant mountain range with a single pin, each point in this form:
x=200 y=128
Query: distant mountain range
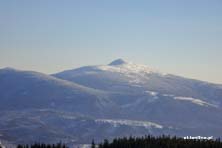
x=105 y=101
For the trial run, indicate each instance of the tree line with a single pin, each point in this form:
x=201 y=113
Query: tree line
x=157 y=142
x=141 y=142
x=42 y=145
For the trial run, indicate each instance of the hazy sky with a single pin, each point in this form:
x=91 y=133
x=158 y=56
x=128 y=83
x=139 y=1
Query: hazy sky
x=182 y=37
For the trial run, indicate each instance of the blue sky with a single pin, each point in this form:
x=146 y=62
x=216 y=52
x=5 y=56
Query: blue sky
x=182 y=37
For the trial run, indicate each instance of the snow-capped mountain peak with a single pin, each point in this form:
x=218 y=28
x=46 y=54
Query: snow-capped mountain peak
x=124 y=67
x=118 y=62
x=121 y=98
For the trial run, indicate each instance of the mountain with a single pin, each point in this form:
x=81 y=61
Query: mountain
x=125 y=77
x=144 y=93
x=105 y=101
x=33 y=90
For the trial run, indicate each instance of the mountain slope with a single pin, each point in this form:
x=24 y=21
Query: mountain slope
x=121 y=76
x=106 y=101
x=26 y=89
x=147 y=94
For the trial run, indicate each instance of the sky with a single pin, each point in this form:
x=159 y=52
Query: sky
x=182 y=37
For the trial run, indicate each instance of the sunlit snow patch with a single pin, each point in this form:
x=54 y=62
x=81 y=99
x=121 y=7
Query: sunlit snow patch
x=152 y=93
x=127 y=68
x=145 y=124
x=195 y=101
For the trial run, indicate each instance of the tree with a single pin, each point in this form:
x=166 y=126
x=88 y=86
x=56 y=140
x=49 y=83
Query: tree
x=159 y=142
x=93 y=144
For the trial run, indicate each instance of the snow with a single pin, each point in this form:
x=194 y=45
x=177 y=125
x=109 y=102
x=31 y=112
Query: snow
x=135 y=123
x=127 y=68
x=83 y=145
x=135 y=73
x=68 y=117
x=152 y=93
x=168 y=95
x=195 y=101
x=1 y=145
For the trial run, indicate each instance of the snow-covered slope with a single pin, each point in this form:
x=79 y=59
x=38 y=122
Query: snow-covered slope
x=118 y=76
x=144 y=93
x=127 y=68
x=106 y=101
x=127 y=77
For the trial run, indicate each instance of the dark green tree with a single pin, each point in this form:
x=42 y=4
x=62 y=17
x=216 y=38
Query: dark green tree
x=93 y=145
x=159 y=142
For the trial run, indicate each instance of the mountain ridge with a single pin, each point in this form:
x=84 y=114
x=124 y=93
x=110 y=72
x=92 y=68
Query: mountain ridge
x=94 y=102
